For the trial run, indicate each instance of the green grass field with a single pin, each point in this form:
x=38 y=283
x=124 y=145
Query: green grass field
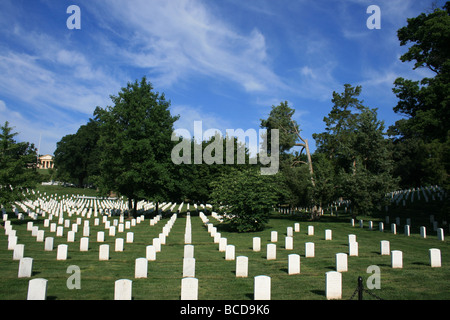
x=217 y=280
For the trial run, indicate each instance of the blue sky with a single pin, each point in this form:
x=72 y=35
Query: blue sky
x=224 y=63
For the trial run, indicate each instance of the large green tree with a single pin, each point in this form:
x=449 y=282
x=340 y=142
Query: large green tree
x=77 y=155
x=354 y=143
x=421 y=139
x=135 y=143
x=18 y=163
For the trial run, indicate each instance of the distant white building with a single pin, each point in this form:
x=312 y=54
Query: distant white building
x=45 y=162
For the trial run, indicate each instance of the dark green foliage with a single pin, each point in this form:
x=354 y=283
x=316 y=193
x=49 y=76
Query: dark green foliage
x=135 y=143
x=357 y=151
x=421 y=140
x=77 y=156
x=246 y=198
x=18 y=162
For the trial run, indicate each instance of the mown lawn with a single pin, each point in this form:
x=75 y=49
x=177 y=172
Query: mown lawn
x=217 y=280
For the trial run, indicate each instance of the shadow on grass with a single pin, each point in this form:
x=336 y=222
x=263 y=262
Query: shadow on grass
x=319 y=292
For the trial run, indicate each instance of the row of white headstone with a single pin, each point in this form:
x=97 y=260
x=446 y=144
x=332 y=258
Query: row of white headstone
x=407 y=227
x=39 y=285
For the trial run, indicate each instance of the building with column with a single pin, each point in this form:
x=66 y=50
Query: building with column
x=45 y=162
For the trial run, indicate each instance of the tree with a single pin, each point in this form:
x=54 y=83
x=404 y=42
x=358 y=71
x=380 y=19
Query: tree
x=360 y=155
x=135 y=143
x=245 y=198
x=421 y=138
x=18 y=164
x=297 y=190
x=281 y=118
x=77 y=155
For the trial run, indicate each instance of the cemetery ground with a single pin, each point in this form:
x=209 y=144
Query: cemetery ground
x=417 y=280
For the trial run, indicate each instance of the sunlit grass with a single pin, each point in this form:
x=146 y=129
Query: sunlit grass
x=217 y=280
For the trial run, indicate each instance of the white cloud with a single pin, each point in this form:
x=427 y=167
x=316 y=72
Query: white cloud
x=179 y=39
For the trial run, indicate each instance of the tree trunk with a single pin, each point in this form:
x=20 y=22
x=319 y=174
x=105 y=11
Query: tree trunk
x=130 y=206
x=135 y=208
x=308 y=155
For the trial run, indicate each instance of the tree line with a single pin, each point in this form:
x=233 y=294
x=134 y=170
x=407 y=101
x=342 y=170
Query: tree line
x=126 y=147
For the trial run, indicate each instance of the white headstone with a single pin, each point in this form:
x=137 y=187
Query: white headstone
x=18 y=251
x=162 y=238
x=397 y=259
x=141 y=268
x=328 y=234
x=189 y=289
x=407 y=230
x=333 y=285
x=103 y=254
x=271 y=251
x=188 y=267
x=188 y=251
x=229 y=252
x=59 y=231
x=48 y=244
x=123 y=289
x=435 y=258
x=130 y=237
x=188 y=237
x=262 y=288
x=241 y=267
x=293 y=264
x=25 y=268
x=289 y=243
x=256 y=244
x=423 y=232
x=84 y=244
x=40 y=236
x=157 y=244
x=353 y=249
x=112 y=231
x=381 y=226
x=289 y=231
x=37 y=289
x=150 y=253
x=222 y=244
x=12 y=242
x=309 y=250
x=273 y=236
x=310 y=230
x=217 y=237
x=351 y=238
x=100 y=236
x=440 y=234
x=341 y=262
x=71 y=236
x=118 y=245
x=297 y=227
x=61 y=253
x=385 y=247
x=393 y=228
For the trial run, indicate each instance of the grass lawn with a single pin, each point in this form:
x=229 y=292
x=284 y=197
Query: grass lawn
x=217 y=280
